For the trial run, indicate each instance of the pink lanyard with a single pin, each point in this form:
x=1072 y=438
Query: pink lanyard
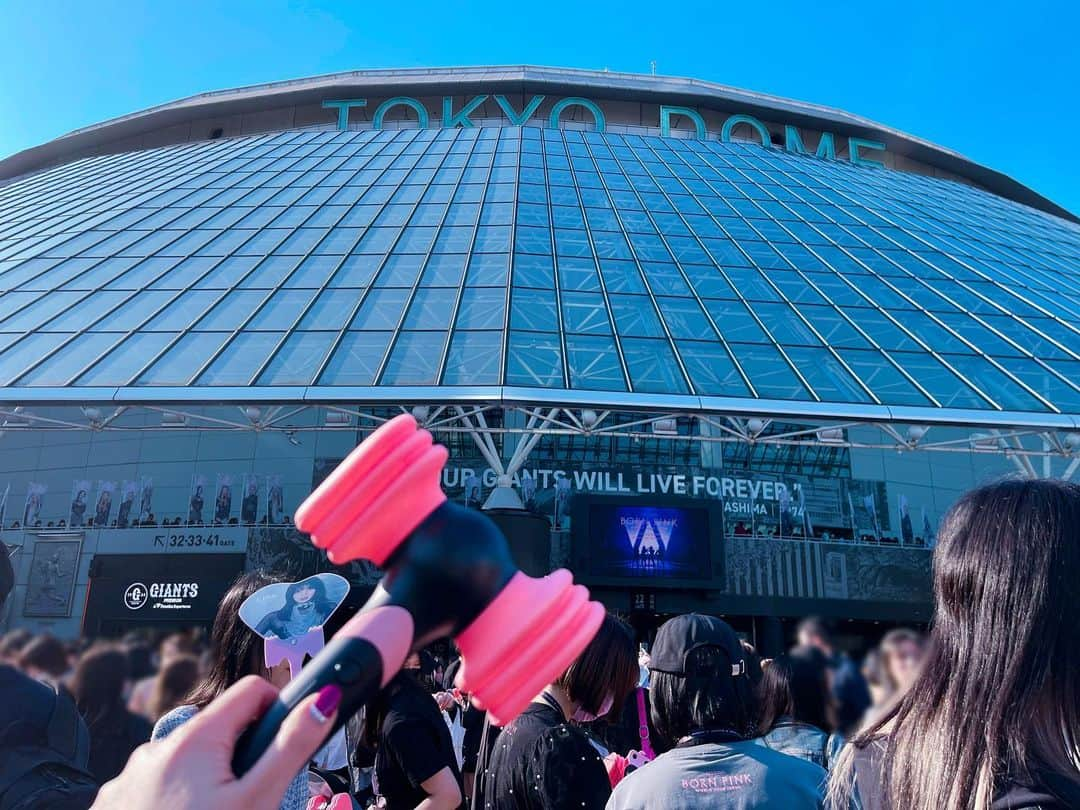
x=643 y=725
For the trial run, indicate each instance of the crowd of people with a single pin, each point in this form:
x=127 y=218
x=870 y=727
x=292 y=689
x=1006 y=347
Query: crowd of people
x=980 y=713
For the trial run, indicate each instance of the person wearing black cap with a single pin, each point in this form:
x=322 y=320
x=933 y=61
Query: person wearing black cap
x=703 y=704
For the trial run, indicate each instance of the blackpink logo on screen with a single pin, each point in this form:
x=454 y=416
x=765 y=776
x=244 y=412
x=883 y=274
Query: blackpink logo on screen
x=649 y=537
x=644 y=541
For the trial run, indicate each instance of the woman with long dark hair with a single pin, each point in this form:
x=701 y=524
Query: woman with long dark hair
x=993 y=718
x=98 y=689
x=795 y=707
x=235 y=651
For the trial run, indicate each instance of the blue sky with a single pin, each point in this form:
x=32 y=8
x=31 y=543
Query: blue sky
x=996 y=81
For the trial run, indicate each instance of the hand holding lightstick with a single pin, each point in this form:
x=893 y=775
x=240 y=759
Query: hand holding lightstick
x=448 y=572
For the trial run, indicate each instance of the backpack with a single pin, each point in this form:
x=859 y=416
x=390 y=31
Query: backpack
x=44 y=777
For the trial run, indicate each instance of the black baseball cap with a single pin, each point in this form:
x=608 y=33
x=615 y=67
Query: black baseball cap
x=679 y=637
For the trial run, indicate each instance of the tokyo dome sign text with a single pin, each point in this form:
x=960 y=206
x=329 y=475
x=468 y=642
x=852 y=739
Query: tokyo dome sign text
x=858 y=149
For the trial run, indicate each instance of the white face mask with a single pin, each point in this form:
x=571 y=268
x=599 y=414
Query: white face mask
x=582 y=716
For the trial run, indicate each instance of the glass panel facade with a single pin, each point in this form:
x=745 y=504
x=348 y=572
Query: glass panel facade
x=537 y=258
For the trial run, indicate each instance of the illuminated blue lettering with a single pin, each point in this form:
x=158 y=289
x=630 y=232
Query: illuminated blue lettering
x=556 y=111
x=793 y=142
x=665 y=120
x=855 y=144
x=515 y=118
x=734 y=120
x=343 y=106
x=461 y=119
x=400 y=101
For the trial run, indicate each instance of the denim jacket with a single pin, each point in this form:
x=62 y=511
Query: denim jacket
x=804 y=741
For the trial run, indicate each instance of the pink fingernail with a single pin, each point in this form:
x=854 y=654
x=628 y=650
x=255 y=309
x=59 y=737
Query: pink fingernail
x=327 y=702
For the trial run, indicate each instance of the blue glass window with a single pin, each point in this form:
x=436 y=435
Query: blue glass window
x=356 y=359
x=475 y=358
x=652 y=366
x=594 y=363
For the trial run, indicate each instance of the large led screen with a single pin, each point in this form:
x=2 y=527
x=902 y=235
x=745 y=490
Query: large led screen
x=649 y=542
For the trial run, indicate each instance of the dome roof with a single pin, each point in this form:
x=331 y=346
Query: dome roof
x=552 y=265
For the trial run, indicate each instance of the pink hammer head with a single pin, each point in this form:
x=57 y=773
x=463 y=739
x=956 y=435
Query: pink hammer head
x=530 y=631
x=525 y=639
x=381 y=492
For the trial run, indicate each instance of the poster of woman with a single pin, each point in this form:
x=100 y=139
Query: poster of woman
x=249 y=506
x=288 y=610
x=223 y=501
x=196 y=502
x=80 y=494
x=35 y=495
x=106 y=490
x=128 y=490
x=290 y=617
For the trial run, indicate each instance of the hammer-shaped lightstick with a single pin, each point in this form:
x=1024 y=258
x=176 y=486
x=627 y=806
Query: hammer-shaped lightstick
x=448 y=572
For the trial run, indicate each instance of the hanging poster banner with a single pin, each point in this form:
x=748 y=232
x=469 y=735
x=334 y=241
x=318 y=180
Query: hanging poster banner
x=249 y=506
x=907 y=533
x=146 y=499
x=197 y=500
x=35 y=496
x=102 y=510
x=80 y=497
x=128 y=491
x=3 y=505
x=275 y=502
x=223 y=499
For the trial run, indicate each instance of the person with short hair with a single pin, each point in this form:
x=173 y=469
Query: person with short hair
x=703 y=704
x=850 y=693
x=541 y=759
x=992 y=719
